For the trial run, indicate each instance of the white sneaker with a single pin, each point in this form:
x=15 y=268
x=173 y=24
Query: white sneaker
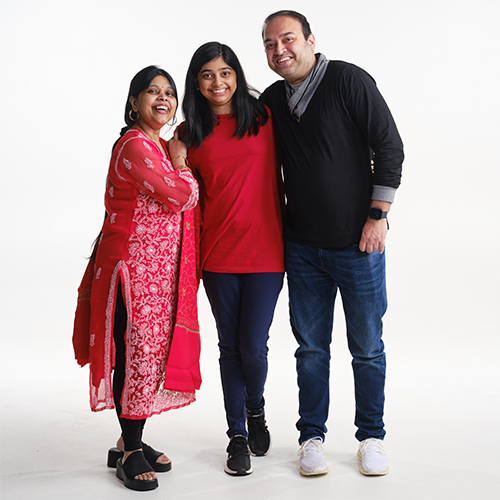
x=312 y=458
x=374 y=461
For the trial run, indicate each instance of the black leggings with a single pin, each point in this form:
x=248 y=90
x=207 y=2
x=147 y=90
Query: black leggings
x=131 y=429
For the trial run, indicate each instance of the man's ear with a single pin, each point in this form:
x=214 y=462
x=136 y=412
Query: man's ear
x=312 y=42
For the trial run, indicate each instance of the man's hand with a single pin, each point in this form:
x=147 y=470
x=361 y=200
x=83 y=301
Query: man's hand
x=373 y=236
x=375 y=231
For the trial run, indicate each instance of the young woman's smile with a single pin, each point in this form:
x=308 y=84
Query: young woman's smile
x=217 y=83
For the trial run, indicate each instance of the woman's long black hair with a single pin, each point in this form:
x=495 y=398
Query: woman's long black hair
x=250 y=113
x=140 y=82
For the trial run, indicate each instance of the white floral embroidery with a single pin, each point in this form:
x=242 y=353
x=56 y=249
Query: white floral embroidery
x=153 y=208
x=193 y=197
x=111 y=191
x=112 y=218
x=92 y=340
x=149 y=186
x=170 y=182
x=98 y=273
x=153 y=248
x=155 y=226
x=149 y=163
x=147 y=146
x=167 y=166
x=174 y=202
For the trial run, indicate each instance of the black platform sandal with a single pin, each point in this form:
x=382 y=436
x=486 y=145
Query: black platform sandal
x=151 y=456
x=135 y=464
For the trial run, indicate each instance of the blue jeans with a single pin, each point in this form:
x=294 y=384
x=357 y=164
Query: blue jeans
x=314 y=275
x=243 y=306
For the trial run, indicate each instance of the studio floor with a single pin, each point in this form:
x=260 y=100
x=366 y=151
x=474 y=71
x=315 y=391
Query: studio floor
x=440 y=415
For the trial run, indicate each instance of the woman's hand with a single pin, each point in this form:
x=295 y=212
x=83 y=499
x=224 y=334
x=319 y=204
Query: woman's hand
x=177 y=151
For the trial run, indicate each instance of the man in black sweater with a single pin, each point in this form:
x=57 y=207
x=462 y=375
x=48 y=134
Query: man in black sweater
x=342 y=157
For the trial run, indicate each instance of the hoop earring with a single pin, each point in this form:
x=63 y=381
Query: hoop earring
x=173 y=123
x=130 y=115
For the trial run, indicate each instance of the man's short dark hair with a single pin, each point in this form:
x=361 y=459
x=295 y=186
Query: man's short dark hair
x=306 y=28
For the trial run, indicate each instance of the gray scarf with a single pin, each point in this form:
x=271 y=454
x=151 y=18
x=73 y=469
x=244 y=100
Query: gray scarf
x=299 y=96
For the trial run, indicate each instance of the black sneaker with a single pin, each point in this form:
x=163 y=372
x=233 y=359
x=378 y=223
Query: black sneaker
x=259 y=439
x=238 y=458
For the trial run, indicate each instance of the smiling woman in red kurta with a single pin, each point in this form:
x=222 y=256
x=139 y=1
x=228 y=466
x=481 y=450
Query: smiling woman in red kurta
x=140 y=245
x=136 y=321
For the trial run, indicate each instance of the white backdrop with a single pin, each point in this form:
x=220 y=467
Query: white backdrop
x=66 y=68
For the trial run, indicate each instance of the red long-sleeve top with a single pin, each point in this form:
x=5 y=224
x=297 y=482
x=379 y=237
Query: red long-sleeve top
x=241 y=199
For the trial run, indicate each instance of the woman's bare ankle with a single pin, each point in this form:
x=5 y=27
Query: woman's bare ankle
x=120 y=444
x=127 y=454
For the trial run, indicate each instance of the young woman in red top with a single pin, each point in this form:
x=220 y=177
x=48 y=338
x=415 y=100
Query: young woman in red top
x=231 y=148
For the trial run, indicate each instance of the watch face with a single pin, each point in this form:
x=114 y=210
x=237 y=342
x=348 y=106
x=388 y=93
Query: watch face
x=376 y=213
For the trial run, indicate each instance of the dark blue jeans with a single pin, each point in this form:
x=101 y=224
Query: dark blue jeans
x=243 y=306
x=314 y=275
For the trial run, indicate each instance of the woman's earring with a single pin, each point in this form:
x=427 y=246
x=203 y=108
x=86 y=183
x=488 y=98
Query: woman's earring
x=131 y=117
x=174 y=121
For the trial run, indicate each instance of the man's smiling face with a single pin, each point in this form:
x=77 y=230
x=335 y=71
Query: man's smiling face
x=288 y=53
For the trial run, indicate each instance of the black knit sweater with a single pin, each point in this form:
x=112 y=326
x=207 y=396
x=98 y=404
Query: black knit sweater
x=326 y=156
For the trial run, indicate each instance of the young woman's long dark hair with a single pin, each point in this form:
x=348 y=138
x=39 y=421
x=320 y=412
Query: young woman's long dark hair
x=200 y=120
x=140 y=82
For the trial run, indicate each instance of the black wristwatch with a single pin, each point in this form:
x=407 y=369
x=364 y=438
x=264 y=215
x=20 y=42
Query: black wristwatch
x=377 y=214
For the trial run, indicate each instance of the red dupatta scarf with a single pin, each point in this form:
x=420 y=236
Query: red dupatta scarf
x=182 y=372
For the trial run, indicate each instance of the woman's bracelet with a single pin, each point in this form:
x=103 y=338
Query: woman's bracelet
x=178 y=156
x=182 y=167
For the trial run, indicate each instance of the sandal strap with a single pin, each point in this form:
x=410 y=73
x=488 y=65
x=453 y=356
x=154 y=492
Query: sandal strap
x=150 y=453
x=136 y=464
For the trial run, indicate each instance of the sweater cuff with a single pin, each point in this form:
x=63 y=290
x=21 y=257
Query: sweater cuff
x=384 y=193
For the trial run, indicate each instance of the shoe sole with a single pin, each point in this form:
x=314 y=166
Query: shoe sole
x=261 y=454
x=374 y=472
x=232 y=472
x=134 y=484
x=314 y=472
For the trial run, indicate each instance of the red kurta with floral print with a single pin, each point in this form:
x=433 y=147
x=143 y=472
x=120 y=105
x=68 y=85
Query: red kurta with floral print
x=140 y=247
